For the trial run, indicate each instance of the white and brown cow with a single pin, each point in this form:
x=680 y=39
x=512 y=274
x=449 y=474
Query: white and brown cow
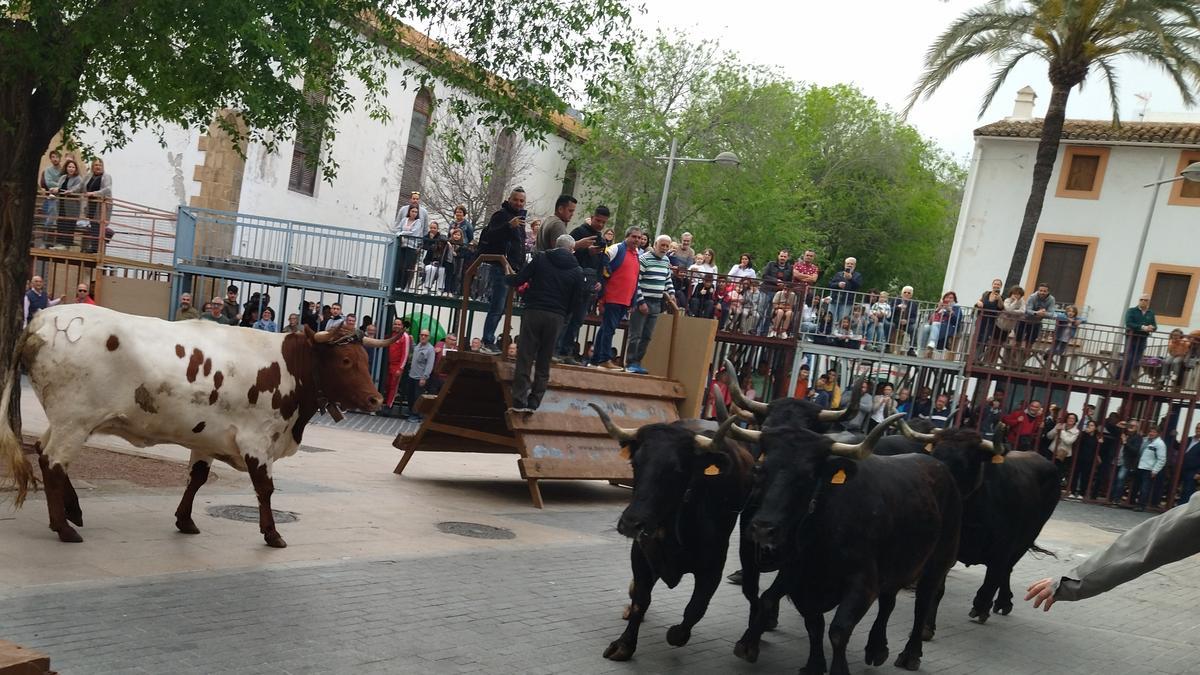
x=239 y=395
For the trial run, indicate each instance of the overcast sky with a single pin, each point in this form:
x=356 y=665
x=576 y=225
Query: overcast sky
x=878 y=45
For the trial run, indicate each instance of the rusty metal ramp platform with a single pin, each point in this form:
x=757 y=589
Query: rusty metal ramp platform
x=564 y=439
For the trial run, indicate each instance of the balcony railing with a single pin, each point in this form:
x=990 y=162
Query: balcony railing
x=110 y=229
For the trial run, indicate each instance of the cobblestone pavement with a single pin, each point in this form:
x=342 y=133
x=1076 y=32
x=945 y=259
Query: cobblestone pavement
x=553 y=609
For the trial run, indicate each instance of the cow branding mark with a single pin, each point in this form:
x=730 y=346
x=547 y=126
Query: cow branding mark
x=207 y=367
x=144 y=399
x=198 y=428
x=193 y=367
x=179 y=351
x=112 y=343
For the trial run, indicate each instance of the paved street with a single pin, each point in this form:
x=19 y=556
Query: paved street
x=550 y=609
x=369 y=584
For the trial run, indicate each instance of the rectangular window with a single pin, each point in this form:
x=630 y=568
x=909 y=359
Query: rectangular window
x=1061 y=267
x=1172 y=290
x=1185 y=192
x=306 y=153
x=1082 y=172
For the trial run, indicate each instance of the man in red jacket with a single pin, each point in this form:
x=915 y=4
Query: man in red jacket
x=619 y=294
x=397 y=355
x=1024 y=424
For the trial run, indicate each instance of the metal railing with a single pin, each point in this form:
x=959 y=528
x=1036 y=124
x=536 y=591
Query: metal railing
x=122 y=232
x=284 y=251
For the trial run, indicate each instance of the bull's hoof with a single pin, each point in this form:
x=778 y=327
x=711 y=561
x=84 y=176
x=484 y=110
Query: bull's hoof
x=746 y=651
x=978 y=616
x=1003 y=608
x=908 y=661
x=67 y=534
x=813 y=669
x=186 y=526
x=619 y=651
x=678 y=636
x=876 y=656
x=274 y=540
x=927 y=633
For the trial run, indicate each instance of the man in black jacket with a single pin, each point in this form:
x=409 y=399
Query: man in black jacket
x=776 y=271
x=555 y=286
x=589 y=252
x=504 y=233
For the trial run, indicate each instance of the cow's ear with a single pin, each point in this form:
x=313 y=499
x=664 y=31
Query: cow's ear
x=838 y=470
x=714 y=464
x=627 y=450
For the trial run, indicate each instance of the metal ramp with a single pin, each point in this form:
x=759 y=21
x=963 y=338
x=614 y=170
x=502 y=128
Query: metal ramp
x=564 y=439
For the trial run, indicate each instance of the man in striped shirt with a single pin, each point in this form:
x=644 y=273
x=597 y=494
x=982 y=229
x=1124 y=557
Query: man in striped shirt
x=654 y=285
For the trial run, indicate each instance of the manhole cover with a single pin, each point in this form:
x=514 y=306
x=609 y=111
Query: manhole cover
x=248 y=514
x=312 y=448
x=476 y=530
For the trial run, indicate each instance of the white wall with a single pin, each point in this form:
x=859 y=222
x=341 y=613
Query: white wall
x=994 y=206
x=147 y=172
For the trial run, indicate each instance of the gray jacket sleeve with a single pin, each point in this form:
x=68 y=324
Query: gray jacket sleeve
x=1161 y=540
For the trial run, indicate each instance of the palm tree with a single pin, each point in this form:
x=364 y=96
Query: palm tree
x=1075 y=38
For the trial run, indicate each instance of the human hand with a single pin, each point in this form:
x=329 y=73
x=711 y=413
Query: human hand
x=1041 y=592
x=517 y=221
x=841 y=284
x=421 y=382
x=643 y=309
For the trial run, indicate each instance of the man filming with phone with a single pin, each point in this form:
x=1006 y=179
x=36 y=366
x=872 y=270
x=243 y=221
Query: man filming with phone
x=590 y=254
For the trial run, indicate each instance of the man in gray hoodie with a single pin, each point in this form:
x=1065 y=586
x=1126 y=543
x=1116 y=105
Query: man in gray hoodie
x=420 y=369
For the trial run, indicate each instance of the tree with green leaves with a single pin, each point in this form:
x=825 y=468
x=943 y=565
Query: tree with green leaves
x=1076 y=38
x=825 y=168
x=123 y=67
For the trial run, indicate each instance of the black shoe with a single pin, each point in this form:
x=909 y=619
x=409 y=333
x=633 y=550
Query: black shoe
x=735 y=578
x=569 y=361
x=489 y=350
x=912 y=352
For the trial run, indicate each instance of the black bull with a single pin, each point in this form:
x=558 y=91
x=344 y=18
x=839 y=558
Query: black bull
x=845 y=529
x=688 y=488
x=1006 y=502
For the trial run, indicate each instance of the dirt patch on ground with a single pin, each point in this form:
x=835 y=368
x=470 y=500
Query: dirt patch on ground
x=96 y=465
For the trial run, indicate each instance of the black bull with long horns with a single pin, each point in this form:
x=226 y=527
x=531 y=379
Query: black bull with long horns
x=1007 y=499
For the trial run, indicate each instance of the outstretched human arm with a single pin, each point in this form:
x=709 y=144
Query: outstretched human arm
x=1163 y=539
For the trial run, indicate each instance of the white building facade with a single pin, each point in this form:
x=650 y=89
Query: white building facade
x=1095 y=210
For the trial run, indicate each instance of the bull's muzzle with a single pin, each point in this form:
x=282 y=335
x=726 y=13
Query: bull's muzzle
x=763 y=533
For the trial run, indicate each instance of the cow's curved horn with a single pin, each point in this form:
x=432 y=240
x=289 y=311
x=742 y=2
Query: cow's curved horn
x=990 y=447
x=735 y=391
x=322 y=336
x=706 y=444
x=744 y=434
x=914 y=435
x=837 y=415
x=747 y=416
x=863 y=450
x=619 y=434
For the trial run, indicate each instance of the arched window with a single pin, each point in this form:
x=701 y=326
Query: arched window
x=570 y=177
x=414 y=157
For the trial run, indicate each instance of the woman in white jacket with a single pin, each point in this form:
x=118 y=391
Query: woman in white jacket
x=1062 y=443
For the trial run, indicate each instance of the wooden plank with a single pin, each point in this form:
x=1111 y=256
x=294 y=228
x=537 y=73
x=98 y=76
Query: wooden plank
x=616 y=469
x=572 y=424
x=439 y=442
x=472 y=434
x=18 y=660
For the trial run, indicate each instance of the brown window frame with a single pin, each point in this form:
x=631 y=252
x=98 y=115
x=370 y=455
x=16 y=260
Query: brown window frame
x=302 y=176
x=1069 y=154
x=1176 y=197
x=1085 y=274
x=1189 y=301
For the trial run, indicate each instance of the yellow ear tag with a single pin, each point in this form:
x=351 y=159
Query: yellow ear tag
x=838 y=478
x=929 y=447
x=624 y=453
x=997 y=459
x=712 y=470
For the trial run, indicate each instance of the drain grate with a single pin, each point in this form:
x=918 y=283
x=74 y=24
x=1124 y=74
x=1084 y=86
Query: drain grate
x=476 y=530
x=249 y=514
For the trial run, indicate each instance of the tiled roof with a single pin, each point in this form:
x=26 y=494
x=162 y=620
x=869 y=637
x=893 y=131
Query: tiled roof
x=1099 y=131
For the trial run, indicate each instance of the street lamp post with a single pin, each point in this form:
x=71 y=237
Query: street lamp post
x=1190 y=173
x=723 y=159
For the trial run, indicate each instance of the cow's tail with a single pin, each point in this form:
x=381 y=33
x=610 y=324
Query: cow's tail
x=20 y=473
x=1038 y=550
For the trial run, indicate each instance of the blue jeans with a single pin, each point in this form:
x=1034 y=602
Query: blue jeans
x=641 y=329
x=50 y=208
x=1118 y=486
x=602 y=345
x=878 y=331
x=499 y=288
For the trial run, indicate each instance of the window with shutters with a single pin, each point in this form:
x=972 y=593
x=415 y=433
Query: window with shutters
x=1185 y=192
x=1064 y=262
x=1082 y=172
x=414 y=155
x=1172 y=290
x=306 y=152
